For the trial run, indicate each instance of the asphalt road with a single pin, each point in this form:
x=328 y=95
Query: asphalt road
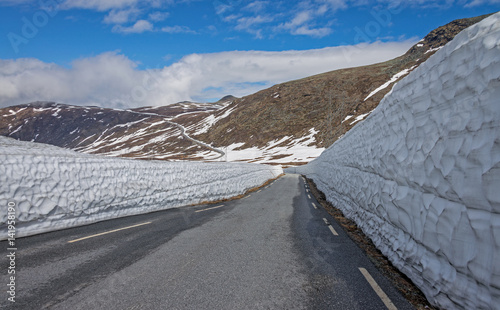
x=270 y=250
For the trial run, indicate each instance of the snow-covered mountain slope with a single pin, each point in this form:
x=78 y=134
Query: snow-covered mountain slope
x=421 y=175
x=54 y=188
x=144 y=133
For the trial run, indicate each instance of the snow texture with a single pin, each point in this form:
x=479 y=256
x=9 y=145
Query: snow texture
x=55 y=188
x=421 y=175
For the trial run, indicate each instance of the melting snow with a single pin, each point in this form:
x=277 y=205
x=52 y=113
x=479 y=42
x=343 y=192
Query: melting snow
x=396 y=77
x=211 y=120
x=12 y=112
x=17 y=129
x=294 y=150
x=360 y=118
x=433 y=49
x=56 y=112
x=348 y=117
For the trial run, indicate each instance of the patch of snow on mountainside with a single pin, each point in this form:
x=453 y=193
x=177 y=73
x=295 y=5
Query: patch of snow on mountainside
x=433 y=50
x=211 y=120
x=107 y=141
x=284 y=150
x=348 y=117
x=396 y=77
x=360 y=118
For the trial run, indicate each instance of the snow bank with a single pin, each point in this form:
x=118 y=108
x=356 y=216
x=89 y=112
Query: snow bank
x=421 y=175
x=55 y=188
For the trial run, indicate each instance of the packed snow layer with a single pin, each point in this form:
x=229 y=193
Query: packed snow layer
x=421 y=175
x=55 y=188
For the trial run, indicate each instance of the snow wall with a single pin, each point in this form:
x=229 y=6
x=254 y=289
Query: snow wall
x=421 y=175
x=54 y=188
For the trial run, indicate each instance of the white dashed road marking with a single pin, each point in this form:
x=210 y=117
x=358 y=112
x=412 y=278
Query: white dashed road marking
x=385 y=299
x=108 y=232
x=333 y=230
x=209 y=209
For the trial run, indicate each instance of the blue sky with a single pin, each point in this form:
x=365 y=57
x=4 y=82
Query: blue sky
x=123 y=53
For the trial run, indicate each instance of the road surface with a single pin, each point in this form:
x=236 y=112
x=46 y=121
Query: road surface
x=273 y=249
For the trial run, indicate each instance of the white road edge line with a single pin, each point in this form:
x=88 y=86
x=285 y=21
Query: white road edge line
x=108 y=232
x=314 y=205
x=385 y=299
x=209 y=209
x=333 y=230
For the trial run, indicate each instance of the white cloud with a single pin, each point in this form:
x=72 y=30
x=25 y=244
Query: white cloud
x=299 y=19
x=99 y=5
x=231 y=17
x=125 y=11
x=249 y=23
x=98 y=80
x=313 y=32
x=113 y=80
x=121 y=16
x=436 y=4
x=177 y=29
x=158 y=16
x=335 y=5
x=139 y=27
x=256 y=6
x=222 y=8
x=14 y=2
x=481 y=2
x=299 y=25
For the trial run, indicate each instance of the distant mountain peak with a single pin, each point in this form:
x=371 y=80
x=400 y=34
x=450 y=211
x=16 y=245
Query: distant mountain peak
x=227 y=98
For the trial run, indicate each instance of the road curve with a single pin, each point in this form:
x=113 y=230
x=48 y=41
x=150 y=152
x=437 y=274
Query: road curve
x=273 y=249
x=184 y=134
